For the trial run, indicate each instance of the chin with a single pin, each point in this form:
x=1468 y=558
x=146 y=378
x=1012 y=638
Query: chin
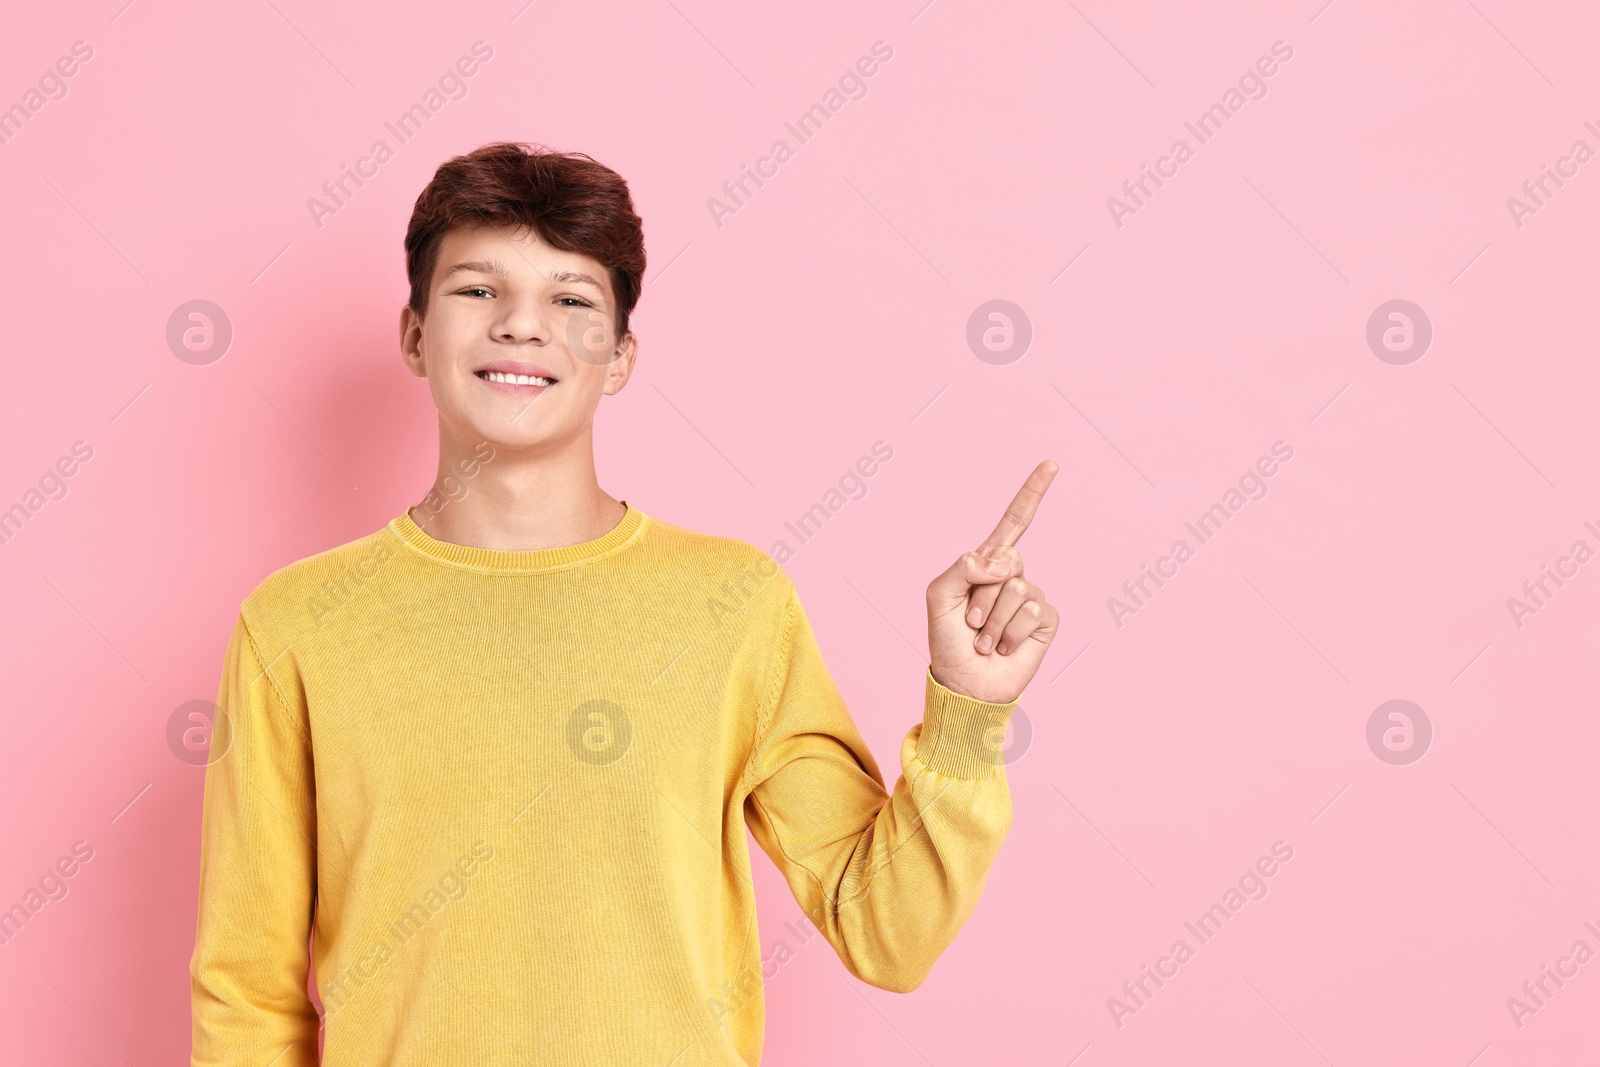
x=525 y=433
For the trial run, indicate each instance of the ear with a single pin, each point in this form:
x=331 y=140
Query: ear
x=411 y=342
x=620 y=369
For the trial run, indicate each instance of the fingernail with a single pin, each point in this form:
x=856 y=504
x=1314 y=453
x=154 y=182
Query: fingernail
x=999 y=567
x=1002 y=650
x=985 y=643
x=975 y=616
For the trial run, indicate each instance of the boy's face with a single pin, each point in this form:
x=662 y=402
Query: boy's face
x=504 y=303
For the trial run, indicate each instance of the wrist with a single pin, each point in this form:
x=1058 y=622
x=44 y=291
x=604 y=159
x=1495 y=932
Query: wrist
x=953 y=685
x=961 y=736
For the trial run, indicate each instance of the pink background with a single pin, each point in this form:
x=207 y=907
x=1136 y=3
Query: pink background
x=825 y=315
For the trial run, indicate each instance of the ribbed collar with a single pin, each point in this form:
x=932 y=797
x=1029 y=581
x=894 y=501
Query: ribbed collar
x=532 y=561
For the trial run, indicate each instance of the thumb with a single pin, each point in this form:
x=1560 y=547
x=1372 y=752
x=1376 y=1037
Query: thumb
x=950 y=589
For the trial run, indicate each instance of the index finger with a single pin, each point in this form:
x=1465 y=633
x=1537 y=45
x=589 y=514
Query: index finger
x=1020 y=512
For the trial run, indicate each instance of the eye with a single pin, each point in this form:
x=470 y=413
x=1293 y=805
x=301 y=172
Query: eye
x=579 y=301
x=475 y=289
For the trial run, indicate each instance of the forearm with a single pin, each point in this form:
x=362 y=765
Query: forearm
x=892 y=890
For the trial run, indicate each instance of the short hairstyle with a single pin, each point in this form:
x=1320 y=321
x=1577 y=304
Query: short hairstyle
x=570 y=201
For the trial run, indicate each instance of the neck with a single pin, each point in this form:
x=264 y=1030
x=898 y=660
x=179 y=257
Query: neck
x=506 y=500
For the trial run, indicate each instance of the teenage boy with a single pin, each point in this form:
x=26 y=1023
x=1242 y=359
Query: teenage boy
x=498 y=757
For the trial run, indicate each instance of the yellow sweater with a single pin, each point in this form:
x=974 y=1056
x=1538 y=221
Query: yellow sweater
x=504 y=797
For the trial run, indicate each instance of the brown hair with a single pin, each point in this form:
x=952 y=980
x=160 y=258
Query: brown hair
x=570 y=201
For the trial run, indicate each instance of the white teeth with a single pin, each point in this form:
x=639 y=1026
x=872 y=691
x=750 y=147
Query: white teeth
x=518 y=379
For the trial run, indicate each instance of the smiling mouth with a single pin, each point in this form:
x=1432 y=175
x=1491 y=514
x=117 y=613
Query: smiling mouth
x=515 y=379
x=524 y=385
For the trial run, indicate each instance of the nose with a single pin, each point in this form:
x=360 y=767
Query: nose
x=522 y=321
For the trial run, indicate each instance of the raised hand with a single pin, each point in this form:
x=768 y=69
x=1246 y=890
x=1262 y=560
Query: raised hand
x=988 y=627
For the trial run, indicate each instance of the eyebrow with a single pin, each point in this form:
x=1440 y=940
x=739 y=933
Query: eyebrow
x=478 y=266
x=495 y=267
x=578 y=277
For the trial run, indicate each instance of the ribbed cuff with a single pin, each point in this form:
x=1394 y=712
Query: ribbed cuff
x=962 y=736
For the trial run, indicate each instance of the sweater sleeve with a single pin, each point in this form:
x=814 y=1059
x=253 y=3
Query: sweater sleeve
x=258 y=871
x=888 y=878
